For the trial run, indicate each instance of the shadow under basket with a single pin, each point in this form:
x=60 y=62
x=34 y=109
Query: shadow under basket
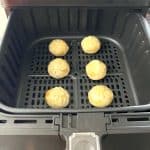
x=24 y=58
x=123 y=141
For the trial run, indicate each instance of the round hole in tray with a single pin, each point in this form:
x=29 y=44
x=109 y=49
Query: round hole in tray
x=28 y=85
x=117 y=86
x=28 y=89
x=25 y=103
x=44 y=88
x=27 y=94
x=112 y=86
x=119 y=93
x=120 y=99
x=123 y=83
x=39 y=95
x=38 y=102
x=32 y=102
x=34 y=88
x=115 y=100
x=33 y=95
x=82 y=101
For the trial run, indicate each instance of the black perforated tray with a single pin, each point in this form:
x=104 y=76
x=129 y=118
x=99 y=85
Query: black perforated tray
x=35 y=79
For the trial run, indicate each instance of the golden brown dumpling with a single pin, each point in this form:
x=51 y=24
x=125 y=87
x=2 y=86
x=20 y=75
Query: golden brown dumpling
x=57 y=97
x=96 y=69
x=100 y=96
x=58 y=47
x=58 y=68
x=90 y=44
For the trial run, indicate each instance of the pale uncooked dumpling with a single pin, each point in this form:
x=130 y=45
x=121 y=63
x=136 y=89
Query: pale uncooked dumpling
x=100 y=96
x=96 y=69
x=58 y=47
x=58 y=68
x=90 y=44
x=57 y=97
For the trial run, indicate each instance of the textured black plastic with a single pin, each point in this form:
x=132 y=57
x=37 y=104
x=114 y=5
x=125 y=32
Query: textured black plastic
x=24 y=57
x=119 y=141
x=102 y=3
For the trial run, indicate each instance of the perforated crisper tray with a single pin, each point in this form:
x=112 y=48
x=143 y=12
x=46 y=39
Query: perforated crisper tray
x=35 y=79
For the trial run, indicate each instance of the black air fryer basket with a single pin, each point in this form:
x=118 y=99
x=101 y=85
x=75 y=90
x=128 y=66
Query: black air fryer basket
x=24 y=56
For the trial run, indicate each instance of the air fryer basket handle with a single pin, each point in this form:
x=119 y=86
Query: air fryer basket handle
x=82 y=141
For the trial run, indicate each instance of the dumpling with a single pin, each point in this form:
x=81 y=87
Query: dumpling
x=57 y=97
x=58 y=68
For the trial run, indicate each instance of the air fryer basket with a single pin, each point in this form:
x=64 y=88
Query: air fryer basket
x=24 y=57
